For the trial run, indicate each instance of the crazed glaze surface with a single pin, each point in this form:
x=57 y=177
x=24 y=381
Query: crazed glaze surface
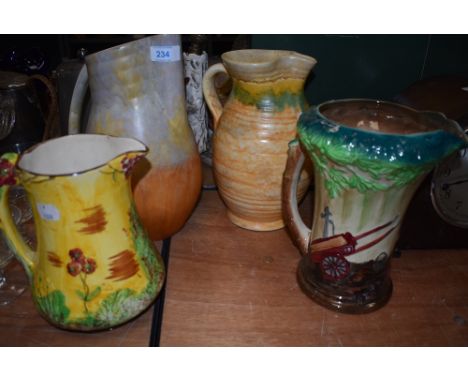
x=135 y=95
x=365 y=176
x=253 y=131
x=94 y=267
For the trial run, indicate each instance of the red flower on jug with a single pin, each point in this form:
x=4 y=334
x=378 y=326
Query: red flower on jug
x=80 y=263
x=74 y=268
x=7 y=175
x=82 y=266
x=77 y=256
x=128 y=164
x=89 y=266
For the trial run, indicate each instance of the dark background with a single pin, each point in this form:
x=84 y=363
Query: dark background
x=373 y=66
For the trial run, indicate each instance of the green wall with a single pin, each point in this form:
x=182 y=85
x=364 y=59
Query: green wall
x=371 y=66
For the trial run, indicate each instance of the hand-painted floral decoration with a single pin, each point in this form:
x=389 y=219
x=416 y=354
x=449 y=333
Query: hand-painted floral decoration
x=83 y=266
x=129 y=163
x=7 y=175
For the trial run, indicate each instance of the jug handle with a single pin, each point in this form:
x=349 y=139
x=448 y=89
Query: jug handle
x=299 y=231
x=76 y=104
x=53 y=105
x=209 y=91
x=17 y=244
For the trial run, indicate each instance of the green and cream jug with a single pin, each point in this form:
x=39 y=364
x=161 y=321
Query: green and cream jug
x=369 y=158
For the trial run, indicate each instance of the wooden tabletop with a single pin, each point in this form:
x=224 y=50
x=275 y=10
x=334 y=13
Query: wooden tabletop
x=21 y=325
x=227 y=286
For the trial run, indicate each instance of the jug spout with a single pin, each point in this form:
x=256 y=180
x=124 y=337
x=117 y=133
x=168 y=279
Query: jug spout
x=452 y=137
x=100 y=150
x=270 y=80
x=261 y=65
x=94 y=266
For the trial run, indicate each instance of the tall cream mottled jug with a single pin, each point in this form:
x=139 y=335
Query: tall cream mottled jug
x=252 y=131
x=94 y=266
x=137 y=90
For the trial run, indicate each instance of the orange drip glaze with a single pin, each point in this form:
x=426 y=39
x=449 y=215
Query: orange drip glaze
x=166 y=196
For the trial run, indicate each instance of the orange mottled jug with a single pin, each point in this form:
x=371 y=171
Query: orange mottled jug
x=137 y=90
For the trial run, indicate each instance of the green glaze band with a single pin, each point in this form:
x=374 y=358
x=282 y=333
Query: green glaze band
x=365 y=160
x=268 y=100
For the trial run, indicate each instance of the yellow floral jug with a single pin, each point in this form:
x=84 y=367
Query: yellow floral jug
x=94 y=266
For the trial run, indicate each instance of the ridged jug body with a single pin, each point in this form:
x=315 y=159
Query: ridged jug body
x=251 y=138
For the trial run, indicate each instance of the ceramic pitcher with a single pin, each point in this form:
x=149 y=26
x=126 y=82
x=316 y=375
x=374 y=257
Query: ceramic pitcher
x=252 y=131
x=369 y=158
x=94 y=266
x=137 y=90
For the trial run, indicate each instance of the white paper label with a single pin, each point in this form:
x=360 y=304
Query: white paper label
x=167 y=53
x=48 y=212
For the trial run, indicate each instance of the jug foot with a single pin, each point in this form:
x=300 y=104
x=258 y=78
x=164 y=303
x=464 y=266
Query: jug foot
x=255 y=225
x=363 y=300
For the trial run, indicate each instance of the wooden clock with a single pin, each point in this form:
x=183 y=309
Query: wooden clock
x=438 y=214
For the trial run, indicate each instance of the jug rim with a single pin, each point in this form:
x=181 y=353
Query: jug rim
x=260 y=65
x=115 y=47
x=126 y=44
x=456 y=128
x=338 y=141
x=231 y=58
x=29 y=150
